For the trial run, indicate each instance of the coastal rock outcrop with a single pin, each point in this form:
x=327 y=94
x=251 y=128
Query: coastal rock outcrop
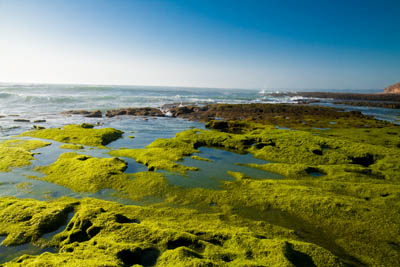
x=86 y=113
x=154 y=112
x=393 y=89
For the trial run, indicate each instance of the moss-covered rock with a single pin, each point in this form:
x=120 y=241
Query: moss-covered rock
x=84 y=173
x=17 y=153
x=71 y=146
x=27 y=220
x=83 y=134
x=108 y=234
x=351 y=210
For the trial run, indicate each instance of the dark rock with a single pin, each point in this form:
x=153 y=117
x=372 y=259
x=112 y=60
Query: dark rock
x=21 y=120
x=155 y=112
x=85 y=113
x=95 y=114
x=39 y=121
x=37 y=127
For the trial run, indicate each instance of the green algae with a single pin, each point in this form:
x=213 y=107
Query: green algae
x=355 y=201
x=17 y=153
x=200 y=158
x=161 y=154
x=24 y=186
x=355 y=204
x=238 y=175
x=108 y=234
x=78 y=134
x=84 y=173
x=27 y=220
x=71 y=146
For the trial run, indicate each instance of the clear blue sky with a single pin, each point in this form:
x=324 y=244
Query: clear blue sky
x=325 y=44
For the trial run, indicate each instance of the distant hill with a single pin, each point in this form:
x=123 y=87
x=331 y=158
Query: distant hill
x=393 y=89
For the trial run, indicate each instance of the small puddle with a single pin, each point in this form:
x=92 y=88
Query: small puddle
x=210 y=173
x=314 y=172
x=283 y=128
x=8 y=253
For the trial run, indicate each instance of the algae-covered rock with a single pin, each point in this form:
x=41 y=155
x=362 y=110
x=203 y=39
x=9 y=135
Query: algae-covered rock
x=201 y=158
x=16 y=153
x=350 y=211
x=161 y=154
x=103 y=233
x=78 y=134
x=84 y=173
x=27 y=220
x=71 y=146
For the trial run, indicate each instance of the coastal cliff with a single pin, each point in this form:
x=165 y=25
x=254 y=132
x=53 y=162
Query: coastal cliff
x=393 y=89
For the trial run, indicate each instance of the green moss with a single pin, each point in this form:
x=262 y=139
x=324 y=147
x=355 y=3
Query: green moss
x=71 y=146
x=78 y=134
x=27 y=220
x=238 y=175
x=16 y=153
x=108 y=234
x=201 y=158
x=161 y=154
x=84 y=173
x=352 y=210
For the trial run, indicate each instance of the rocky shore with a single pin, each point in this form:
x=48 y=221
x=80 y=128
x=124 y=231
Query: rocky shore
x=347 y=215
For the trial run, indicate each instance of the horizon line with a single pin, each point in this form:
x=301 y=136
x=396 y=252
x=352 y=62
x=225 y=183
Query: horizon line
x=180 y=86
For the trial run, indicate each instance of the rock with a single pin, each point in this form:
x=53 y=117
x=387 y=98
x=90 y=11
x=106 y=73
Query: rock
x=37 y=127
x=95 y=114
x=154 y=112
x=21 y=120
x=393 y=89
x=86 y=113
x=39 y=121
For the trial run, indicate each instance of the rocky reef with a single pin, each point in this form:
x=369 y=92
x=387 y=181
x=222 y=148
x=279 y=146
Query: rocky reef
x=85 y=113
x=337 y=205
x=155 y=112
x=83 y=134
x=107 y=234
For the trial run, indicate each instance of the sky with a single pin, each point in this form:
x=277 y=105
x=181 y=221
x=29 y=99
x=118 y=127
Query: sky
x=282 y=44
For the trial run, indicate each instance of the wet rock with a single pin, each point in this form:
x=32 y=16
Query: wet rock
x=39 y=121
x=22 y=120
x=155 y=112
x=37 y=127
x=85 y=113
